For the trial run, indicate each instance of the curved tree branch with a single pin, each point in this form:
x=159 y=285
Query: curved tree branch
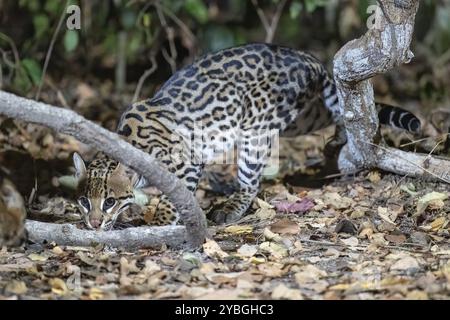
x=130 y=238
x=68 y=122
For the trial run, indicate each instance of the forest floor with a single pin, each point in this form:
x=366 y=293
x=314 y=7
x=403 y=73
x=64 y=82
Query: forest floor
x=373 y=235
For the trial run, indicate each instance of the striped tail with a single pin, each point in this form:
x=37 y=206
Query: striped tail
x=397 y=117
x=388 y=115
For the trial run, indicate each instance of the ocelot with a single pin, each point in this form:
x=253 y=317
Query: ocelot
x=224 y=101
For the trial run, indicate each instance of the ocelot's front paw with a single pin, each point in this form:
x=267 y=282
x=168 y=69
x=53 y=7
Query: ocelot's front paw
x=223 y=214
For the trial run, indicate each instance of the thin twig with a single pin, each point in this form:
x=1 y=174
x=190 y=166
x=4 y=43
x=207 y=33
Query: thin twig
x=416 y=141
x=50 y=49
x=13 y=47
x=145 y=75
x=179 y=23
x=407 y=160
x=364 y=247
x=261 y=16
x=270 y=27
x=171 y=59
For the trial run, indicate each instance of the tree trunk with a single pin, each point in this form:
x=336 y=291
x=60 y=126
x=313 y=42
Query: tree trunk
x=384 y=46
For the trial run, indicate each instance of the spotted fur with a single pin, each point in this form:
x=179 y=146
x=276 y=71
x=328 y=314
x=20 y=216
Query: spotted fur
x=227 y=99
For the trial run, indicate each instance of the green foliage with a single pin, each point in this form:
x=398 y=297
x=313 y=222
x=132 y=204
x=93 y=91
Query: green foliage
x=312 y=5
x=214 y=24
x=33 y=70
x=71 y=40
x=295 y=9
x=41 y=25
x=197 y=9
x=442 y=42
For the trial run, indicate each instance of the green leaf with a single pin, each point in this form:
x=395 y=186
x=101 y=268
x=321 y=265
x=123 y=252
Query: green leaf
x=71 y=40
x=146 y=20
x=295 y=9
x=52 y=6
x=41 y=24
x=312 y=5
x=33 y=69
x=197 y=9
x=21 y=80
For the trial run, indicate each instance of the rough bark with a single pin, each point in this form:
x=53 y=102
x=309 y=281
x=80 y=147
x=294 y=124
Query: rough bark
x=384 y=46
x=414 y=164
x=68 y=122
x=130 y=238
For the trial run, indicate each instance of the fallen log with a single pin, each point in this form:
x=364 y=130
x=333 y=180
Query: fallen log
x=130 y=238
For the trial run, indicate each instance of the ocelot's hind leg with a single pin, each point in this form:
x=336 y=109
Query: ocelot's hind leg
x=221 y=179
x=250 y=168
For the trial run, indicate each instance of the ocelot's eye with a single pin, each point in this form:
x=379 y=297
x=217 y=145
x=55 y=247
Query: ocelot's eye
x=85 y=203
x=109 y=203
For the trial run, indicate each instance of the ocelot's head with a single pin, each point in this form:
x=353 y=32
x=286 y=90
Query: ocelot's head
x=104 y=191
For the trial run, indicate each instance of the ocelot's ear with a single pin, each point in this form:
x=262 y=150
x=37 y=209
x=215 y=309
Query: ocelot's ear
x=80 y=166
x=139 y=181
x=120 y=170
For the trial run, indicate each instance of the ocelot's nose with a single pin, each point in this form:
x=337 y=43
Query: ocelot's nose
x=95 y=223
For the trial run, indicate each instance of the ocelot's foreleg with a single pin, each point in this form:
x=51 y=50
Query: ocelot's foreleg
x=160 y=212
x=250 y=168
x=190 y=173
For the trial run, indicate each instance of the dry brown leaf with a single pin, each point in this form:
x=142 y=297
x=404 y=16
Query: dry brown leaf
x=275 y=249
x=247 y=250
x=37 y=257
x=96 y=294
x=59 y=287
x=339 y=287
x=438 y=223
x=224 y=278
x=334 y=200
x=397 y=239
x=378 y=239
x=285 y=226
x=265 y=214
x=417 y=295
x=271 y=236
x=406 y=263
x=58 y=251
x=213 y=250
x=16 y=287
x=271 y=269
x=241 y=229
x=309 y=274
x=433 y=198
x=283 y=292
x=150 y=268
x=383 y=213
x=374 y=176
x=257 y=260
x=351 y=242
